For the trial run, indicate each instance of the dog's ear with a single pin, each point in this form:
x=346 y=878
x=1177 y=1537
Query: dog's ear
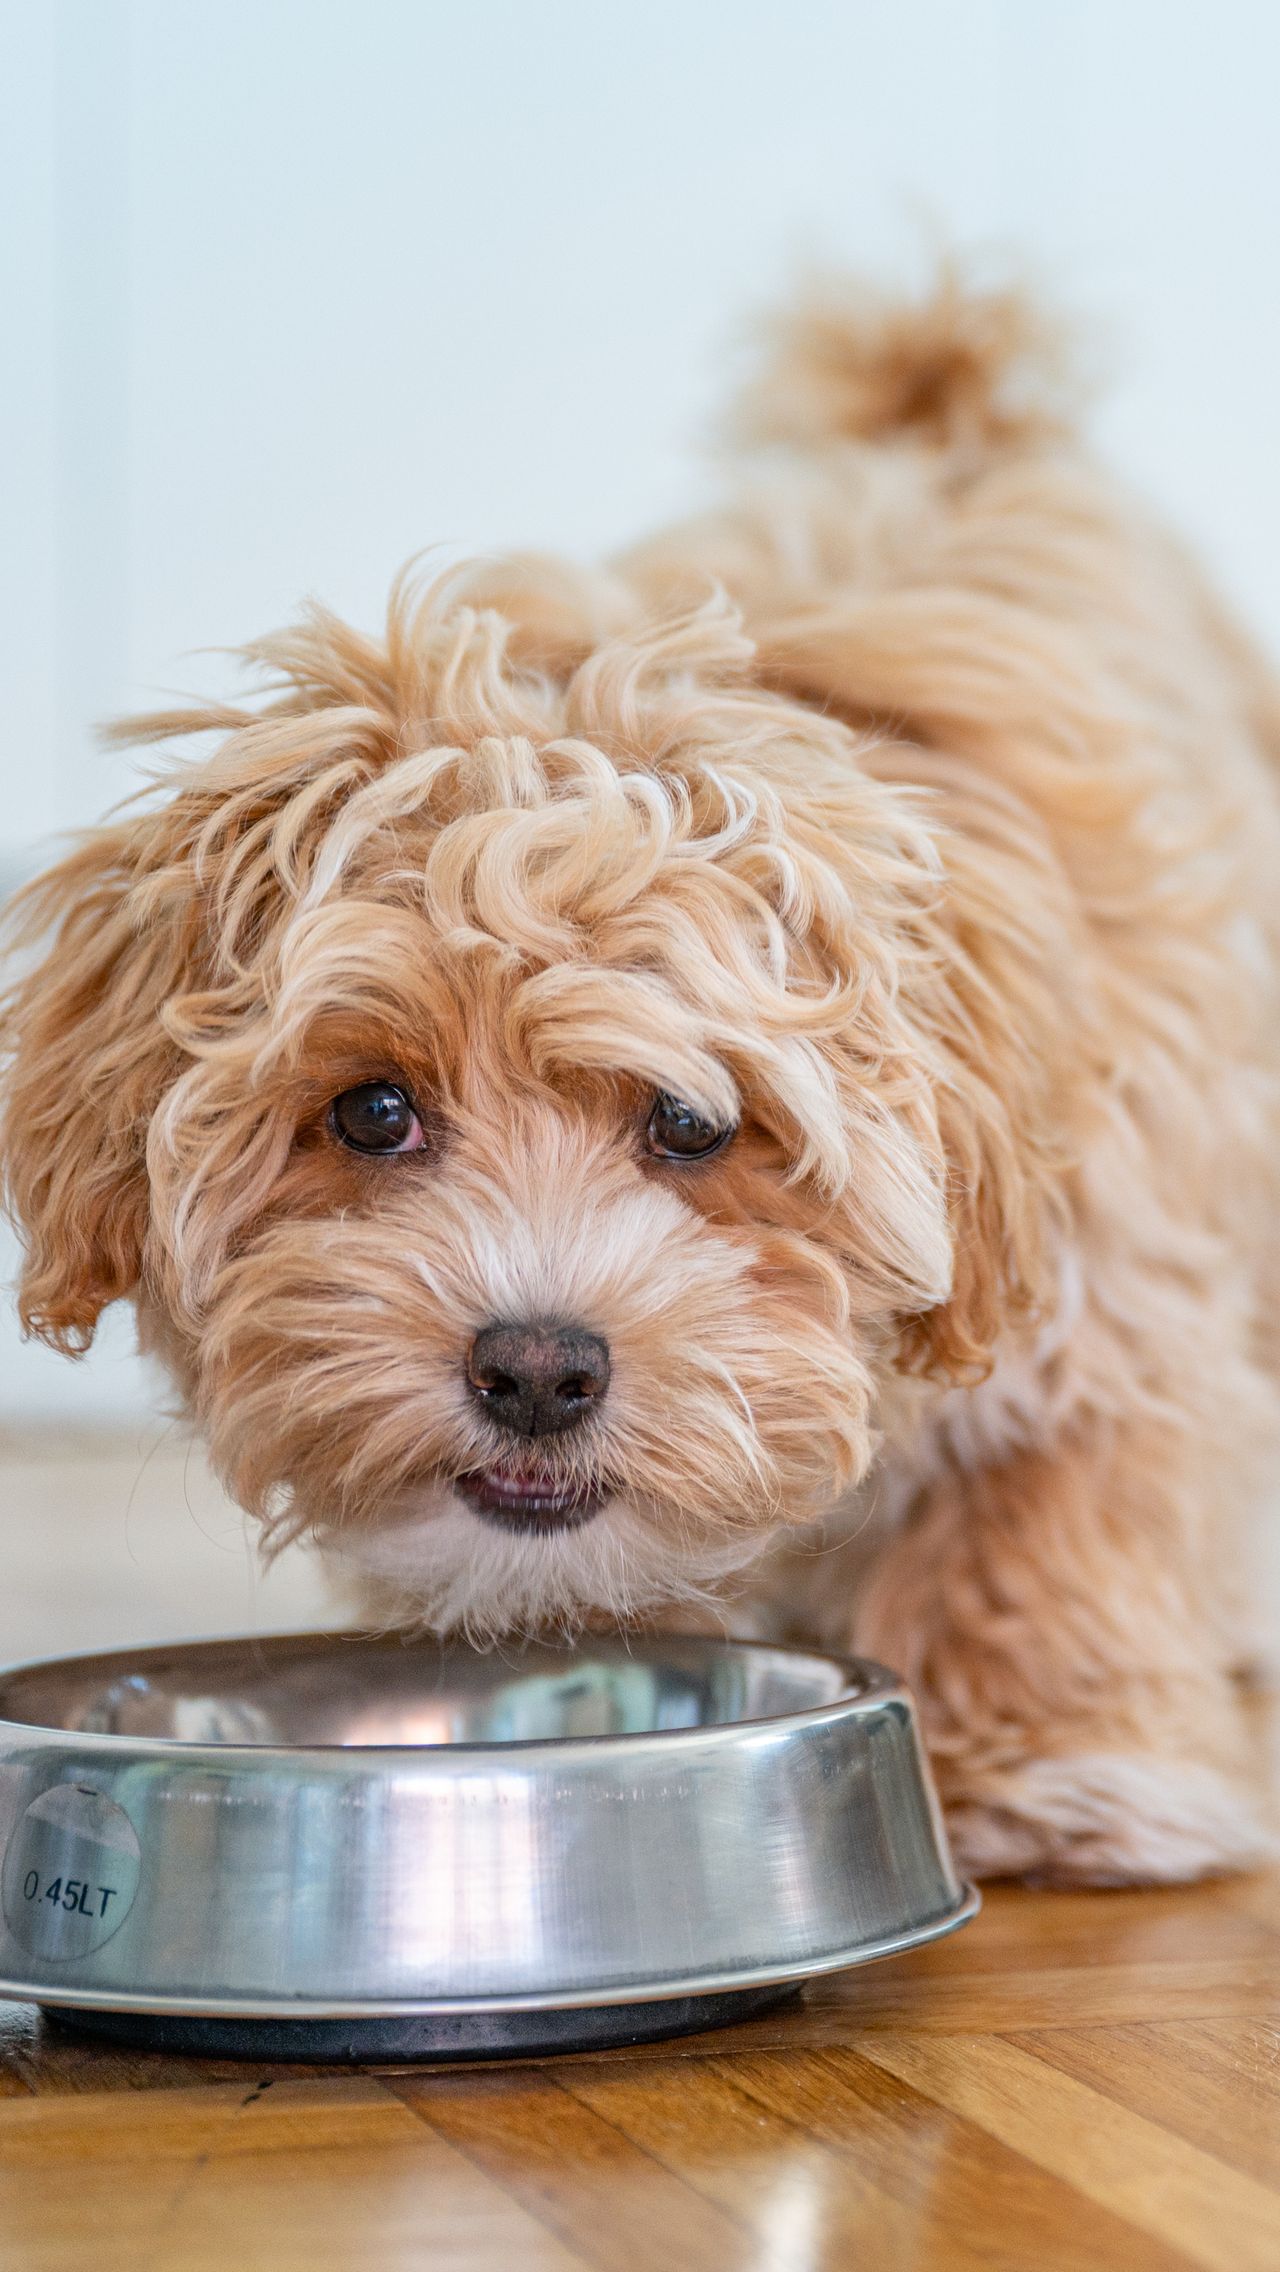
x=87 y=1059
x=997 y=1212
x=1004 y=1032
x=948 y=932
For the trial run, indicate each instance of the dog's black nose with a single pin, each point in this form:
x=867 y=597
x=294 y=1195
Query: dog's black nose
x=538 y=1379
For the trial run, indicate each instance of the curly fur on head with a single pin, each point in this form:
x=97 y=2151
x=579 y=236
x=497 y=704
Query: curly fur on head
x=911 y=819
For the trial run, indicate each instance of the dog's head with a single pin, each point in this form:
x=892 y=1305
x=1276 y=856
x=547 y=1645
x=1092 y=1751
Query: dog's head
x=523 y=1080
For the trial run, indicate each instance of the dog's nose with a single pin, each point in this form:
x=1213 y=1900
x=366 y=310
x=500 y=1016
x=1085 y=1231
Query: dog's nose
x=538 y=1379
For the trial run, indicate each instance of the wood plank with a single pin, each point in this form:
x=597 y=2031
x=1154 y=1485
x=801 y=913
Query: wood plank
x=1257 y=1896
x=799 y=2200
x=601 y=2191
x=393 y=2207
x=1215 y=2083
x=976 y=2003
x=1124 y=2163
x=335 y=2112
x=971 y=2191
x=320 y=2177
x=1111 y=1925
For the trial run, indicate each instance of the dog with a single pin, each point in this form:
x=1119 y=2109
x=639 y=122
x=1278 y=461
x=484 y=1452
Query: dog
x=737 y=1085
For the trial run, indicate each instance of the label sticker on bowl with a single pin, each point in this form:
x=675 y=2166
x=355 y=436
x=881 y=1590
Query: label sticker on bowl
x=71 y=1871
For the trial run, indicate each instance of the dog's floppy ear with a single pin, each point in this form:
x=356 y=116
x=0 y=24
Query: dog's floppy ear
x=1005 y=1036
x=948 y=930
x=86 y=1060
x=997 y=1218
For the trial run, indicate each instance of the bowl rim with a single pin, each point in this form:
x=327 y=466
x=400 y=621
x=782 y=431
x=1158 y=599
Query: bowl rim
x=869 y=1685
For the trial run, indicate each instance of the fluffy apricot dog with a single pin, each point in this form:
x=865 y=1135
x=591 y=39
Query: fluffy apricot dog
x=748 y=1078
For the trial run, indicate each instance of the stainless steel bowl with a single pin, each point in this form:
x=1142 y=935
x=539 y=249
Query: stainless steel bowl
x=340 y=1845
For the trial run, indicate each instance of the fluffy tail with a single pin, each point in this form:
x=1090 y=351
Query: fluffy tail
x=959 y=367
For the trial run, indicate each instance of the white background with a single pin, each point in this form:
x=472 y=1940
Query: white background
x=292 y=288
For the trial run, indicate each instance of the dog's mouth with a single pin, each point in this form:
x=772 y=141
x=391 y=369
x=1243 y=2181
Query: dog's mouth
x=529 y=1498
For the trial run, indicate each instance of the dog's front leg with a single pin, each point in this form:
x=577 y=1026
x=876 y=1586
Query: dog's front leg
x=1052 y=1615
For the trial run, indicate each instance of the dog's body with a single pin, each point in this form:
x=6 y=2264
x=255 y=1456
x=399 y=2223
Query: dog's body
x=618 y=1098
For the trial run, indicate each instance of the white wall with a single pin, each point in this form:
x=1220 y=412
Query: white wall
x=299 y=286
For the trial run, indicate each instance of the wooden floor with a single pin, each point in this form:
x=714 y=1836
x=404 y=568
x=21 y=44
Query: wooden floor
x=1076 y=2080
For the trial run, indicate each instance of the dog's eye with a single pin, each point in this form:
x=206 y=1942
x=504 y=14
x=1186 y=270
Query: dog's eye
x=677 y=1132
x=376 y=1117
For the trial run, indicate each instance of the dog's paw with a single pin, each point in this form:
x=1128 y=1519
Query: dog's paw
x=1108 y=1818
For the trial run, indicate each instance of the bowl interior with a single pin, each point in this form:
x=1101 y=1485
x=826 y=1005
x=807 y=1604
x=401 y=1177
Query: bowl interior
x=361 y=1689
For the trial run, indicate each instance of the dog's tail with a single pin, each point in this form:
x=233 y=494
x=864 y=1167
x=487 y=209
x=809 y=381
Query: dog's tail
x=959 y=367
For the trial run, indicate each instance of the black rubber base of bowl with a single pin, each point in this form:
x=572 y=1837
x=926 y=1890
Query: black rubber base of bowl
x=478 y=2035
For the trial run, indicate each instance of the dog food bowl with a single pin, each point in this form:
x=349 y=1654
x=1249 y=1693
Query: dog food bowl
x=345 y=1846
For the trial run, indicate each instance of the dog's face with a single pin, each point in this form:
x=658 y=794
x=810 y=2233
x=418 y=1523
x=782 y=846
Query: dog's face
x=513 y=1101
